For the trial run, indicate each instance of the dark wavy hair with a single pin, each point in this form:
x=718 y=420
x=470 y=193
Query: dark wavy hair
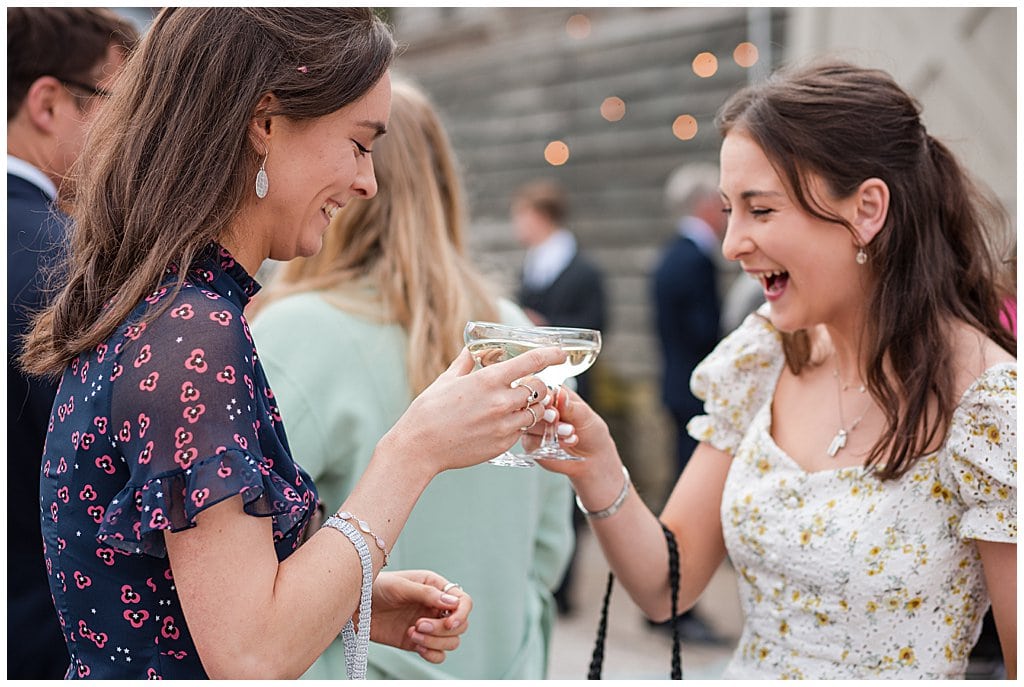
x=935 y=261
x=170 y=158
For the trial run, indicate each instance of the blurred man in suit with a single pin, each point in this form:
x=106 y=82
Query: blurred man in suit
x=559 y=286
x=61 y=64
x=688 y=310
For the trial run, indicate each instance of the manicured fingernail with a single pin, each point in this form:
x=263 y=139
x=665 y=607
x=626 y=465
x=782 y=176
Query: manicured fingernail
x=425 y=626
x=550 y=415
x=455 y=624
x=420 y=648
x=570 y=440
x=564 y=429
x=417 y=637
x=449 y=599
x=547 y=400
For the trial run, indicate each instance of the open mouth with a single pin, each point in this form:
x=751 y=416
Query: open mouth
x=773 y=283
x=330 y=209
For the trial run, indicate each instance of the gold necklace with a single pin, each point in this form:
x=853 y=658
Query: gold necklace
x=839 y=440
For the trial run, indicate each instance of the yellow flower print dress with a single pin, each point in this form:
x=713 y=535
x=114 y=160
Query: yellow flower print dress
x=842 y=576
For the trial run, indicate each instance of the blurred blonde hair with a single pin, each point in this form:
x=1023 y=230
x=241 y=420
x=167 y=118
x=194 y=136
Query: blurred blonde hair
x=401 y=256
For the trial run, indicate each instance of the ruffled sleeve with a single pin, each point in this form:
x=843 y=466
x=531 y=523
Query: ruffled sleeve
x=981 y=456
x=195 y=424
x=735 y=381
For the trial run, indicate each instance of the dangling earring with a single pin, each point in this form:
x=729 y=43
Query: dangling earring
x=262 y=181
x=861 y=258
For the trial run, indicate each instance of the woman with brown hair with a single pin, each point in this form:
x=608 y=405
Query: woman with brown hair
x=858 y=449
x=172 y=509
x=379 y=311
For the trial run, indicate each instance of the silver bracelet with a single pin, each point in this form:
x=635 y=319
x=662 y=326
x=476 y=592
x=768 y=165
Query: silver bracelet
x=616 y=505
x=357 y=644
x=365 y=527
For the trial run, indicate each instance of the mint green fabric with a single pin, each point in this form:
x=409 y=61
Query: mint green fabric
x=504 y=533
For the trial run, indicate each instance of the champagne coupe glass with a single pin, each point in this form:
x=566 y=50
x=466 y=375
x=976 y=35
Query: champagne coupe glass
x=491 y=343
x=581 y=347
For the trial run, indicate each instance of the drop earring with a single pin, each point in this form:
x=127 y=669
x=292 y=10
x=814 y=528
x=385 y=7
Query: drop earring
x=262 y=181
x=862 y=257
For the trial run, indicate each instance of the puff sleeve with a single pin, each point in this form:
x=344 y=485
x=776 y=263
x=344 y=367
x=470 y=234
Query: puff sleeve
x=735 y=381
x=981 y=456
x=195 y=424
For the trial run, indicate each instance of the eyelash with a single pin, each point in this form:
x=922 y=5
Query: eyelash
x=361 y=149
x=759 y=212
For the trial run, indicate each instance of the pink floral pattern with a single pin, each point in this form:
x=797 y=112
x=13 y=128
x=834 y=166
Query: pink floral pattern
x=148 y=430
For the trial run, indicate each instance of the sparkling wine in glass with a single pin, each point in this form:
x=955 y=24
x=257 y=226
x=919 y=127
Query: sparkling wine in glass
x=490 y=343
x=581 y=347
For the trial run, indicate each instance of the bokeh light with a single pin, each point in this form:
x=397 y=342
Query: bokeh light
x=556 y=153
x=613 y=109
x=578 y=26
x=685 y=127
x=705 y=64
x=745 y=54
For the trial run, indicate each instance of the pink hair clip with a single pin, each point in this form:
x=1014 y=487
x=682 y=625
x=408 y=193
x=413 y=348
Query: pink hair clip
x=303 y=69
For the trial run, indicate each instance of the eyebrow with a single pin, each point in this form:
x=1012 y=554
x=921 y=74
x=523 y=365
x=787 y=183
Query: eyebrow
x=754 y=193
x=378 y=128
x=746 y=195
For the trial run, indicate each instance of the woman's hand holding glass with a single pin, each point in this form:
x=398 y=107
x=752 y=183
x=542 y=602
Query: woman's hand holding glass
x=463 y=419
x=581 y=347
x=597 y=479
x=491 y=343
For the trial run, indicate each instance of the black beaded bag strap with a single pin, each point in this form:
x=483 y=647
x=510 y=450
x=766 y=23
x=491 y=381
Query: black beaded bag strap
x=597 y=659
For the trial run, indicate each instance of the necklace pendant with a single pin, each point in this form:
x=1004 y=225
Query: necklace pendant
x=838 y=442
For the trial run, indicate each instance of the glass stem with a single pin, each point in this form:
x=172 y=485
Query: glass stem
x=549 y=440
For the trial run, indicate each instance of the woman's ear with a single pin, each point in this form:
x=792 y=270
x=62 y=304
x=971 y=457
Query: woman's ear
x=870 y=209
x=263 y=120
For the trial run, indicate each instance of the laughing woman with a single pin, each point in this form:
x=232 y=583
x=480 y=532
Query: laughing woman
x=858 y=455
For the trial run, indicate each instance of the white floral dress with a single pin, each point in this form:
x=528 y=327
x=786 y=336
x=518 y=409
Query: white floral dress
x=841 y=575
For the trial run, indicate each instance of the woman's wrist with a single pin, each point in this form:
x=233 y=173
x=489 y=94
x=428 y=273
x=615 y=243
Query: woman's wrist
x=398 y=458
x=598 y=488
x=614 y=506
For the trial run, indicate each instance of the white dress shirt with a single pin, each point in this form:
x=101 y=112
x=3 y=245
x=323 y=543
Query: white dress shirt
x=546 y=261
x=32 y=174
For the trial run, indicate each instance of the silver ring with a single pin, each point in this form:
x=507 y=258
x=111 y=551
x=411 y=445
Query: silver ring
x=449 y=586
x=535 y=418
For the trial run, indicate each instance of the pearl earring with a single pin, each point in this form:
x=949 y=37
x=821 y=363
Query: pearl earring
x=862 y=257
x=262 y=181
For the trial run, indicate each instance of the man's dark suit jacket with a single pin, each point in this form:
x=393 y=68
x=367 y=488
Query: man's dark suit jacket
x=687 y=315
x=574 y=299
x=35 y=644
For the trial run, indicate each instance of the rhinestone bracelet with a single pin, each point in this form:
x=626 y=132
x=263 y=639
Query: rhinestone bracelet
x=364 y=527
x=357 y=642
x=612 y=509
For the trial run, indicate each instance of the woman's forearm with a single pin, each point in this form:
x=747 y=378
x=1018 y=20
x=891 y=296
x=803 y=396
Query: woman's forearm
x=634 y=544
x=251 y=616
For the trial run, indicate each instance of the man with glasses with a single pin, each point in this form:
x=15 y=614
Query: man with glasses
x=61 y=64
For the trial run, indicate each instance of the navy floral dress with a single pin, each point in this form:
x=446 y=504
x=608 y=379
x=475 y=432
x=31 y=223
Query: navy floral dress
x=160 y=422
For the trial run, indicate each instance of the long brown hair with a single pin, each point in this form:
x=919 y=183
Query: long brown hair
x=170 y=158
x=407 y=244
x=935 y=260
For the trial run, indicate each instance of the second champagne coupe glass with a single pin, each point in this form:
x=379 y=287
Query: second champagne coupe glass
x=491 y=343
x=581 y=347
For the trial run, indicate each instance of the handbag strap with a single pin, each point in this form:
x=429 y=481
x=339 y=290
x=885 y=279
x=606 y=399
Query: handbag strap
x=597 y=658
